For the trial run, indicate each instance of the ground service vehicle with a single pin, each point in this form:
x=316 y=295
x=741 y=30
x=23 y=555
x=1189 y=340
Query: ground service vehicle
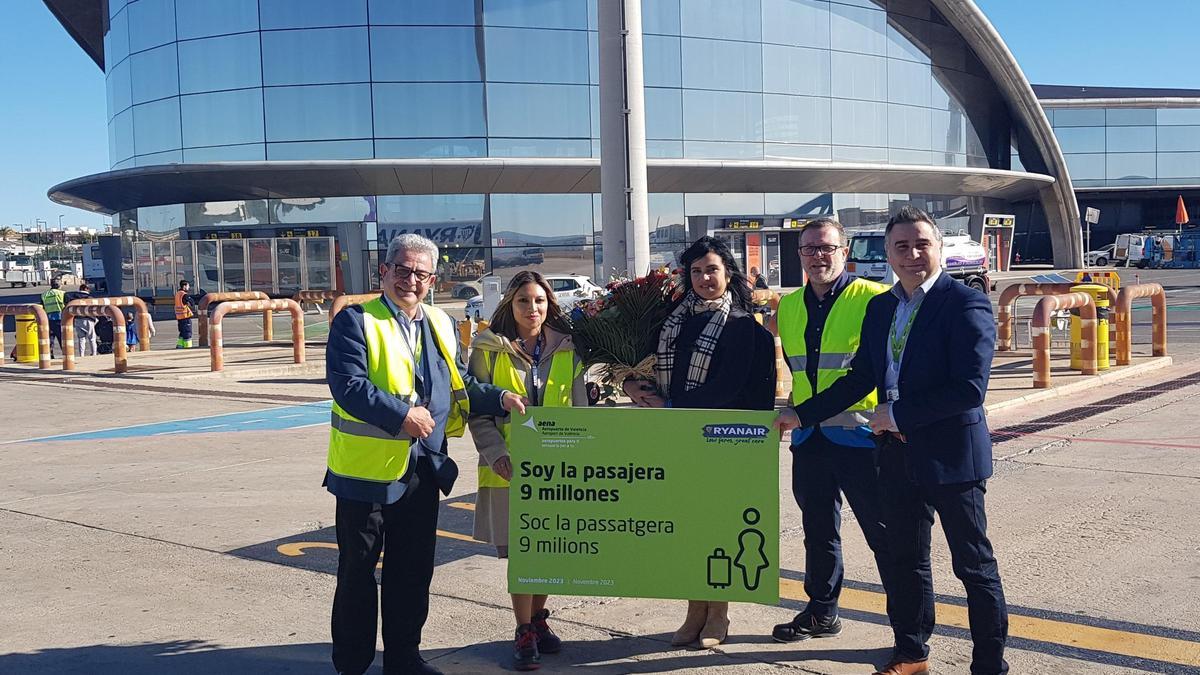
x=18 y=270
x=962 y=258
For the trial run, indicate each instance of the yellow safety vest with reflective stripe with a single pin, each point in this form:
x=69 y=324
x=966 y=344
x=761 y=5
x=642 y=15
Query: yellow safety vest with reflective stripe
x=563 y=371
x=53 y=300
x=839 y=339
x=362 y=451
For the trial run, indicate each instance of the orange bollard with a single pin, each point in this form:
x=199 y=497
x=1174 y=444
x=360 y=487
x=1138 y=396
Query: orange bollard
x=43 y=327
x=1123 y=317
x=1040 y=331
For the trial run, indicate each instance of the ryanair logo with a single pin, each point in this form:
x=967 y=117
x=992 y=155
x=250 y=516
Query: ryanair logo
x=735 y=431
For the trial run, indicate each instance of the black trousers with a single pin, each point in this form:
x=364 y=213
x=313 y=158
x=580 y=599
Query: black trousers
x=406 y=533
x=56 y=335
x=908 y=514
x=819 y=479
x=185 y=328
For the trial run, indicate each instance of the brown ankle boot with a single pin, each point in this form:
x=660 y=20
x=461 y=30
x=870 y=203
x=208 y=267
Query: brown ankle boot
x=716 y=625
x=689 y=632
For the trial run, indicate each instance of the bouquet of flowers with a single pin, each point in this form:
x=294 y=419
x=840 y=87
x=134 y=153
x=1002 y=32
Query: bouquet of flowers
x=619 y=331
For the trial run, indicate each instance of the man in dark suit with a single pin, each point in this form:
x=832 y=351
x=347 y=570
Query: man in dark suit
x=400 y=387
x=927 y=349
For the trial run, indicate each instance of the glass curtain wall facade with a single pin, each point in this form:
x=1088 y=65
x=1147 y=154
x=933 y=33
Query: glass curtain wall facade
x=1110 y=147
x=193 y=81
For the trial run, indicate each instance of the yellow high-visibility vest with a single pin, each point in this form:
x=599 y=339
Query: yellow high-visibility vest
x=361 y=451
x=563 y=371
x=53 y=300
x=839 y=339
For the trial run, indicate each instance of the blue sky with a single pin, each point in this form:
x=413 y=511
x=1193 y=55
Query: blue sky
x=52 y=121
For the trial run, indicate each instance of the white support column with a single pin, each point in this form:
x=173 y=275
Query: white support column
x=638 y=230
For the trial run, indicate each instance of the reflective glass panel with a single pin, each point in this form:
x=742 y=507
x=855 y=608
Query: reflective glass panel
x=858 y=30
x=423 y=12
x=539 y=147
x=362 y=149
x=859 y=123
x=797 y=119
x=116 y=40
x=1080 y=117
x=539 y=14
x=214 y=64
x=859 y=76
x=723 y=204
x=431 y=147
x=424 y=54
x=853 y=153
x=1179 y=165
x=120 y=132
x=660 y=149
x=320 y=56
x=1085 y=166
x=793 y=151
x=909 y=127
x=318 y=265
x=202 y=18
x=949 y=131
x=321 y=209
x=311 y=13
x=156 y=126
x=143 y=264
x=722 y=64
x=115 y=6
x=164 y=269
x=1125 y=165
x=253 y=152
x=262 y=271
x=660 y=61
x=1131 y=139
x=207 y=272
x=796 y=70
x=660 y=16
x=151 y=23
x=796 y=22
x=722 y=150
x=909 y=83
x=184 y=269
x=908 y=39
x=725 y=19
x=120 y=89
x=1131 y=117
x=1176 y=139
x=288 y=264
x=1175 y=116
x=664 y=113
x=544 y=56
x=429 y=110
x=233 y=265
x=1080 y=139
x=538 y=110
x=321 y=112
x=722 y=116
x=240 y=212
x=541 y=220
x=168 y=157
x=162 y=219
x=154 y=74
x=222 y=118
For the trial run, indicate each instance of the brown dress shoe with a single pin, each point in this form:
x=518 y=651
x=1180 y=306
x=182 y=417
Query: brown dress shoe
x=905 y=668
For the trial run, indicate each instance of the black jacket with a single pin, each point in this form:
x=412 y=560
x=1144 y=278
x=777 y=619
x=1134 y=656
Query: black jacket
x=741 y=375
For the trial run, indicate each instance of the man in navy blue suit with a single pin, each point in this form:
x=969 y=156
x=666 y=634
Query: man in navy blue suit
x=927 y=348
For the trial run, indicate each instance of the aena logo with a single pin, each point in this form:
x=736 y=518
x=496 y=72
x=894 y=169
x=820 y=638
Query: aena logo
x=535 y=425
x=735 y=431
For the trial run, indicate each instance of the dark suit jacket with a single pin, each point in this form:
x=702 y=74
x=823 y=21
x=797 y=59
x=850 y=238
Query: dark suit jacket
x=943 y=381
x=741 y=375
x=346 y=373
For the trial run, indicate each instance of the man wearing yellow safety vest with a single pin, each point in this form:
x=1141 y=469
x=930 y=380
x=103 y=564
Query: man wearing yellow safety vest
x=53 y=301
x=184 y=311
x=818 y=327
x=400 y=388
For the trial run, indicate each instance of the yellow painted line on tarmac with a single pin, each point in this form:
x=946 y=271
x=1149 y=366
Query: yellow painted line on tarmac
x=455 y=535
x=465 y=506
x=1080 y=636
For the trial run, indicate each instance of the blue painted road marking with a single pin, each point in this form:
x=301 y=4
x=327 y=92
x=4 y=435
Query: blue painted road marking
x=269 y=419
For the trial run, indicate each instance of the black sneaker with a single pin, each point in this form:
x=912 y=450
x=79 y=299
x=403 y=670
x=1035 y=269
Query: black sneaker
x=525 y=649
x=548 y=642
x=806 y=626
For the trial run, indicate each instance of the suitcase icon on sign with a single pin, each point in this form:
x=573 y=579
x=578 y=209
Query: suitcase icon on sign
x=719 y=566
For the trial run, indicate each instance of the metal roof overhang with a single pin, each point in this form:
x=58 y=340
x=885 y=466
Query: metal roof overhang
x=125 y=189
x=84 y=21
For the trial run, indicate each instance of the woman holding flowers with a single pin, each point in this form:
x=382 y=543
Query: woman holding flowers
x=526 y=350
x=711 y=354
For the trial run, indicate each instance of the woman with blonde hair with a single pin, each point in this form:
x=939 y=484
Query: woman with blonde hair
x=527 y=349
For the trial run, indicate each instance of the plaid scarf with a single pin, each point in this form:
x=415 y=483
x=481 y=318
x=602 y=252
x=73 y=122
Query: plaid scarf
x=706 y=343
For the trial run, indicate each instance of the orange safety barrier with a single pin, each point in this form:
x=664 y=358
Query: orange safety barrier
x=72 y=310
x=1124 y=320
x=344 y=301
x=43 y=324
x=141 y=314
x=209 y=298
x=216 y=344
x=1040 y=331
x=316 y=297
x=1008 y=301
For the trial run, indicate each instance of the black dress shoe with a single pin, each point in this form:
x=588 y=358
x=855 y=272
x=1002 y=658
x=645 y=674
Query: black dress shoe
x=411 y=664
x=806 y=626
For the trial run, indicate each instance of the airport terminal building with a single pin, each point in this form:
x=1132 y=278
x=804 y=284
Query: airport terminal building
x=278 y=144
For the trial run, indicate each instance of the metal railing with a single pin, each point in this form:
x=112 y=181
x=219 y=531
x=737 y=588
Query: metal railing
x=216 y=343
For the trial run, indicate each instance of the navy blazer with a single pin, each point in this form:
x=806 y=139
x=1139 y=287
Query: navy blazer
x=943 y=381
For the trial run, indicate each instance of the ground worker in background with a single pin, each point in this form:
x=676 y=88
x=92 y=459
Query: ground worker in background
x=185 y=309
x=85 y=326
x=818 y=327
x=53 y=301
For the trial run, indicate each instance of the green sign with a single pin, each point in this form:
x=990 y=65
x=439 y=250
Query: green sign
x=650 y=503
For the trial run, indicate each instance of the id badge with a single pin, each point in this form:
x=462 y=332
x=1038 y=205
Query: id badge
x=893 y=394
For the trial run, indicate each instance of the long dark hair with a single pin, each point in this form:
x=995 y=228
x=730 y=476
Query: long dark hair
x=503 y=322
x=738 y=286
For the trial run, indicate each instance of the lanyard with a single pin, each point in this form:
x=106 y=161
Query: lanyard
x=537 y=359
x=898 y=341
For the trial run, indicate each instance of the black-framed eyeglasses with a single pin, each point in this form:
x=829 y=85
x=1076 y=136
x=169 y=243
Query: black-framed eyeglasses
x=823 y=249
x=403 y=272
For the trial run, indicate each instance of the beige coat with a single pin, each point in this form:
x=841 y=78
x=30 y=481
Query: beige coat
x=491 y=504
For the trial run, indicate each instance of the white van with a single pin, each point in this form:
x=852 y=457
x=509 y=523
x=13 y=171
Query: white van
x=1133 y=249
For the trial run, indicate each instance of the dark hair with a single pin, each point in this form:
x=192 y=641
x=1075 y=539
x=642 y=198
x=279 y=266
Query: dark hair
x=911 y=214
x=83 y=286
x=503 y=322
x=182 y=283
x=55 y=283
x=738 y=284
x=818 y=223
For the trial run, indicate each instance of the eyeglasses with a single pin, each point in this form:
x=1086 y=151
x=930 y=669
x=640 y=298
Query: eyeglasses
x=823 y=249
x=403 y=272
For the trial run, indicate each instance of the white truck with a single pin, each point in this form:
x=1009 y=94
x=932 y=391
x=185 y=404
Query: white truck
x=18 y=270
x=1133 y=249
x=962 y=258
